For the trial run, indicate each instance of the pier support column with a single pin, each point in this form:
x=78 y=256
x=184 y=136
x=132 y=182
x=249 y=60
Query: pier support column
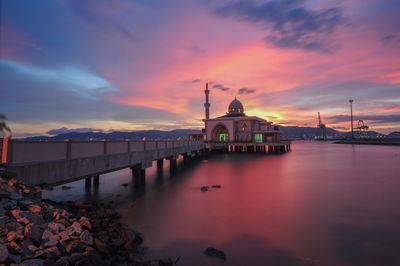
x=88 y=182
x=96 y=180
x=139 y=176
x=160 y=164
x=172 y=164
x=187 y=158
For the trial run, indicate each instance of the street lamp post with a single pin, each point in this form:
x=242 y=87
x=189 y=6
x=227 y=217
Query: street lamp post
x=351 y=117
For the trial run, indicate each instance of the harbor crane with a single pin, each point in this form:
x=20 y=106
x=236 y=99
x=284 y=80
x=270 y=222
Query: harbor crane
x=321 y=129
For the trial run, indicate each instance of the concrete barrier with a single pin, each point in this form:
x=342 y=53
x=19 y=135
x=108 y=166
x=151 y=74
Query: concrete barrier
x=150 y=145
x=87 y=149
x=169 y=144
x=28 y=152
x=117 y=147
x=136 y=146
x=161 y=145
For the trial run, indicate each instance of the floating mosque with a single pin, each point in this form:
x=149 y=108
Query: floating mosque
x=237 y=131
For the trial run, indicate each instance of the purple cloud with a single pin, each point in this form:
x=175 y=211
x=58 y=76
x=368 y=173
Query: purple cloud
x=246 y=91
x=220 y=87
x=289 y=23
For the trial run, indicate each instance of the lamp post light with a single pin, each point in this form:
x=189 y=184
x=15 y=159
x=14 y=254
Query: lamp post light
x=351 y=117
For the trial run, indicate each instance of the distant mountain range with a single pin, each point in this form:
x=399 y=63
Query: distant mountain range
x=120 y=135
x=288 y=132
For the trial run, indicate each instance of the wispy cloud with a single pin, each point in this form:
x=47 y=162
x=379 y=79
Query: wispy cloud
x=388 y=38
x=220 y=87
x=246 y=91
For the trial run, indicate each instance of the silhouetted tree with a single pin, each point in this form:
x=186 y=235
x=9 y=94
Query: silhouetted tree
x=3 y=125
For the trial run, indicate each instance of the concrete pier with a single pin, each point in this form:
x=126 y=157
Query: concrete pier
x=58 y=162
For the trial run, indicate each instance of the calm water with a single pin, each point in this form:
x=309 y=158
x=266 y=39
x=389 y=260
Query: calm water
x=320 y=204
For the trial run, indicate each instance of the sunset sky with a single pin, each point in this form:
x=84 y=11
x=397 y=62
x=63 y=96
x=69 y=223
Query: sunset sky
x=143 y=64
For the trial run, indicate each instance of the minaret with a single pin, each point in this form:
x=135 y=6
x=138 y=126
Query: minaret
x=207 y=104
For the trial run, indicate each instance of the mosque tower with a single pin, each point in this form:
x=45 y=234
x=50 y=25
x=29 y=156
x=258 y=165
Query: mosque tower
x=207 y=104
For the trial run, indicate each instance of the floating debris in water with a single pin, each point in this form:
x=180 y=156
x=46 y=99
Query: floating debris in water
x=204 y=188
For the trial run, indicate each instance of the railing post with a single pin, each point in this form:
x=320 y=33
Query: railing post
x=6 y=156
x=68 y=142
x=105 y=147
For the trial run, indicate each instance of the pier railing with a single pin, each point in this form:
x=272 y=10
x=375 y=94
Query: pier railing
x=20 y=151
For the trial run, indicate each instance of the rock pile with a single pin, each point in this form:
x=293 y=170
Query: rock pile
x=41 y=232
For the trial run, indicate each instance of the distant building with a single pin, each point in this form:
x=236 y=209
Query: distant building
x=236 y=126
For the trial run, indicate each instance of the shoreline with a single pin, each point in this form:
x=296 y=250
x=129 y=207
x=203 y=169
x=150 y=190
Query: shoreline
x=387 y=142
x=35 y=231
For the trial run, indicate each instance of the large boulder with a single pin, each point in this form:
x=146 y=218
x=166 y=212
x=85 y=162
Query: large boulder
x=77 y=228
x=46 y=235
x=50 y=243
x=86 y=238
x=35 y=209
x=215 y=253
x=34 y=232
x=56 y=228
x=85 y=222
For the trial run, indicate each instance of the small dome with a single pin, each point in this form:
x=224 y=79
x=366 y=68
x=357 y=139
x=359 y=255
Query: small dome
x=236 y=107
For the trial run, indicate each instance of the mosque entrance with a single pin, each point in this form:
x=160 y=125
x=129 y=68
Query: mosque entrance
x=220 y=133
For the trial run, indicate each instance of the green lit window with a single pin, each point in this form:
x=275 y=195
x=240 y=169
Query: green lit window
x=258 y=137
x=223 y=137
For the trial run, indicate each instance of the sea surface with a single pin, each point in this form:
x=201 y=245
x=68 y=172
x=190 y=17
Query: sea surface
x=320 y=204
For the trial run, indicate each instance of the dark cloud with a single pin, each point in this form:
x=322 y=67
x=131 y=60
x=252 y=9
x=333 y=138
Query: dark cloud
x=376 y=119
x=388 y=39
x=246 y=91
x=289 y=23
x=196 y=80
x=220 y=87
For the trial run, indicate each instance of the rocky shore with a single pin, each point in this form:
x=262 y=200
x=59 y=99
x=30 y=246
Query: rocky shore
x=41 y=232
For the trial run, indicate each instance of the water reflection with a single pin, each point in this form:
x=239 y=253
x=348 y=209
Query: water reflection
x=320 y=204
